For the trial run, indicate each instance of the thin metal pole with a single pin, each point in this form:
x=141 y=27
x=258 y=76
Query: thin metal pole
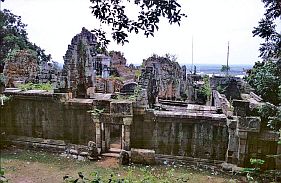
x=227 y=68
x=192 y=57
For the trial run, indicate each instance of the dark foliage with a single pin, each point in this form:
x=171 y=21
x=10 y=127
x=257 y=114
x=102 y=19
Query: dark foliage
x=271 y=48
x=265 y=78
x=112 y=12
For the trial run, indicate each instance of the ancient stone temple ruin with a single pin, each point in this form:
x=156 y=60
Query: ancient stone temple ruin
x=23 y=66
x=82 y=64
x=159 y=118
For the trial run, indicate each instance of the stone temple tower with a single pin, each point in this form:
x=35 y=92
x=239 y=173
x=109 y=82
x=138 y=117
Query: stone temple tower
x=78 y=69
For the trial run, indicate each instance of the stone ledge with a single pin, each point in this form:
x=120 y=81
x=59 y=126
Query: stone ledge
x=143 y=156
x=186 y=115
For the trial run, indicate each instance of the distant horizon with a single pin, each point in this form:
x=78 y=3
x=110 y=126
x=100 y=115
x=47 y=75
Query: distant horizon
x=186 y=64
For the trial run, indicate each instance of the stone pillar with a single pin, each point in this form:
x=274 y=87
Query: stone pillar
x=98 y=132
x=102 y=138
x=278 y=159
x=243 y=147
x=106 y=137
x=194 y=140
x=126 y=133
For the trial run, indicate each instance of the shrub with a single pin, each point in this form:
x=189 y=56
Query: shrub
x=32 y=86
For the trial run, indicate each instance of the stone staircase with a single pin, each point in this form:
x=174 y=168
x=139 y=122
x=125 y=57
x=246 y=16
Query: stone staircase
x=113 y=152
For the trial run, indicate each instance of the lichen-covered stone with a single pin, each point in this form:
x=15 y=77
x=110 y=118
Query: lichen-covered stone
x=21 y=67
x=168 y=76
x=143 y=156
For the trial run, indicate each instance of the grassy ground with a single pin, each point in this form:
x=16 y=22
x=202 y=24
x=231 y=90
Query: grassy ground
x=27 y=166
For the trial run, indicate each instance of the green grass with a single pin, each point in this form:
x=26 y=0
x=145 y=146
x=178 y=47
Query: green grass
x=12 y=162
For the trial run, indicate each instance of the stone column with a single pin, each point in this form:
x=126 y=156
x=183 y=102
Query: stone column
x=98 y=132
x=278 y=159
x=107 y=136
x=126 y=133
x=243 y=147
x=194 y=140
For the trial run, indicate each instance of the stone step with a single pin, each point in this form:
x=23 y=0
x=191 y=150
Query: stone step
x=113 y=155
x=114 y=150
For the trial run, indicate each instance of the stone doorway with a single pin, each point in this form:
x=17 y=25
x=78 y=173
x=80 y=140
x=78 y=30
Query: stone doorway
x=115 y=136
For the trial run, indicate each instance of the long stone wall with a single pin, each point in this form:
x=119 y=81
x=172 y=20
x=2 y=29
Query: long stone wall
x=181 y=134
x=48 y=116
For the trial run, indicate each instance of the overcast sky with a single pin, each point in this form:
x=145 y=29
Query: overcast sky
x=211 y=23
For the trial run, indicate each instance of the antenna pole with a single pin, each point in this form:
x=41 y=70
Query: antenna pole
x=227 y=67
x=192 y=56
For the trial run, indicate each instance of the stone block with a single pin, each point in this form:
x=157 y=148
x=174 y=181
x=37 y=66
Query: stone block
x=249 y=124
x=73 y=151
x=127 y=121
x=143 y=156
x=121 y=107
x=241 y=107
x=242 y=149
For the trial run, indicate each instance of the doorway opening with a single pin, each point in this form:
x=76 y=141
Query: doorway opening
x=115 y=136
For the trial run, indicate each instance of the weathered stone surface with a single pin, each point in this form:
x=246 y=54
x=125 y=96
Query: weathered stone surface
x=249 y=124
x=143 y=156
x=120 y=68
x=181 y=134
x=92 y=151
x=241 y=107
x=221 y=102
x=168 y=76
x=108 y=85
x=21 y=68
x=51 y=72
x=121 y=108
x=129 y=88
x=42 y=115
x=82 y=65
x=73 y=151
x=124 y=158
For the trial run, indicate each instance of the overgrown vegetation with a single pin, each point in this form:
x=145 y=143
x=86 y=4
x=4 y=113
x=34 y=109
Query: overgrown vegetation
x=4 y=98
x=13 y=37
x=265 y=77
x=205 y=91
x=145 y=175
x=117 y=78
x=96 y=112
x=32 y=86
x=2 y=176
x=253 y=174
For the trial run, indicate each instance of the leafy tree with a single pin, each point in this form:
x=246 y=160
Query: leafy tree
x=13 y=36
x=265 y=77
x=271 y=48
x=113 y=13
x=225 y=68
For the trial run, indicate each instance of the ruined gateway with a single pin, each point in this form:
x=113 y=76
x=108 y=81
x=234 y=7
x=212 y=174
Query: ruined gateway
x=151 y=122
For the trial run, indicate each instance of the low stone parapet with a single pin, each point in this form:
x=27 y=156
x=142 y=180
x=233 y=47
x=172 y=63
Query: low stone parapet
x=143 y=156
